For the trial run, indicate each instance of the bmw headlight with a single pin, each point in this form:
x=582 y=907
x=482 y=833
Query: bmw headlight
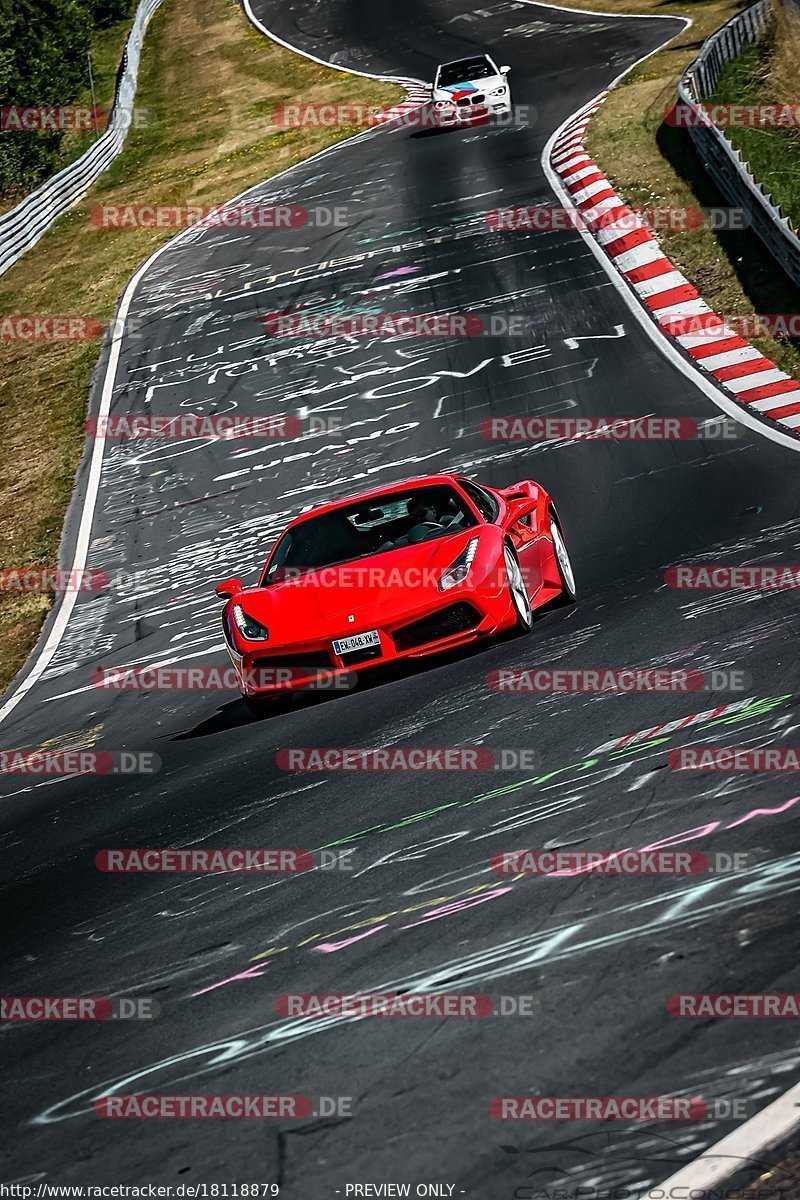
x=501 y=91
x=458 y=571
x=443 y=103
x=247 y=626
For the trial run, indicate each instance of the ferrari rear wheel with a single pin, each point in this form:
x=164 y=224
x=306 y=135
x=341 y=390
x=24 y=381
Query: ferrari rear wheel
x=519 y=594
x=562 y=559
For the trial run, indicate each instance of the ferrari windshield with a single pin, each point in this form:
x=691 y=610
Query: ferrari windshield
x=367 y=527
x=464 y=70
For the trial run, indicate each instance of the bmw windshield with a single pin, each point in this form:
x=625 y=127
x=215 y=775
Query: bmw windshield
x=465 y=70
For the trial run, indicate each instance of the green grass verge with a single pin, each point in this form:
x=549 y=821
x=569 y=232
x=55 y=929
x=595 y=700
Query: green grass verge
x=759 y=77
x=653 y=165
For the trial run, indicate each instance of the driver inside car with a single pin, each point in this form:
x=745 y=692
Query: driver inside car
x=425 y=518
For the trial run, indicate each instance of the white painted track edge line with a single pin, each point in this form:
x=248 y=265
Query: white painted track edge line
x=766 y=1129
x=598 y=12
x=42 y=654
x=273 y=37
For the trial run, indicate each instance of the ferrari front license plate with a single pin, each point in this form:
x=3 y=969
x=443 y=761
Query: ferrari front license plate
x=358 y=641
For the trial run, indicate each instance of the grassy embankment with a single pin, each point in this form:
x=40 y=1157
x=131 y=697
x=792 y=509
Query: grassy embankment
x=652 y=164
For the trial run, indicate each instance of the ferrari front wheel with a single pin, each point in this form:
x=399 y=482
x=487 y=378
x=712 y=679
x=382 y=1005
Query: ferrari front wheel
x=562 y=559
x=518 y=592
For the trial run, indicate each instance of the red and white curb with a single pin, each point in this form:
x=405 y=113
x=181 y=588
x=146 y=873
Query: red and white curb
x=418 y=96
x=733 y=363
x=644 y=735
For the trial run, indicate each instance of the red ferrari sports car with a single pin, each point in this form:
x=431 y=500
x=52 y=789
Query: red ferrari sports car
x=406 y=570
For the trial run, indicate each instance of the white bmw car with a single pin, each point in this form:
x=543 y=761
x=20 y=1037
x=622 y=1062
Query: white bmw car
x=471 y=87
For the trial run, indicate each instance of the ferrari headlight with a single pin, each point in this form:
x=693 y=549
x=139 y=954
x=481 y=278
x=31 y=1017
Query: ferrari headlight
x=458 y=571
x=501 y=91
x=247 y=626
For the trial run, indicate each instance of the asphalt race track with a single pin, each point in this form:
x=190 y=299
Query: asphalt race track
x=422 y=908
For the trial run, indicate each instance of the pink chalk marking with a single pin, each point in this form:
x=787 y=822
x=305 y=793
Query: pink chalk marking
x=435 y=914
x=397 y=271
x=332 y=947
x=764 y=812
x=688 y=835
x=250 y=973
x=447 y=910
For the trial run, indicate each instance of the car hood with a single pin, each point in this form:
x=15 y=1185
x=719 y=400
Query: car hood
x=484 y=86
x=371 y=590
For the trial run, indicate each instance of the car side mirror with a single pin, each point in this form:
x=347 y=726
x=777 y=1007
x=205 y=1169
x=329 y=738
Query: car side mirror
x=504 y=70
x=229 y=587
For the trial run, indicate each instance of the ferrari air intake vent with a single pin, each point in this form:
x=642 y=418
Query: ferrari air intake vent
x=365 y=654
x=456 y=618
x=313 y=660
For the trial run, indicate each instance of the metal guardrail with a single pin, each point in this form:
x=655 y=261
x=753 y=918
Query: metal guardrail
x=23 y=225
x=722 y=161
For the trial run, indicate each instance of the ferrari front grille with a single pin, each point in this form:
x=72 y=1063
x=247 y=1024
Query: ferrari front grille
x=310 y=661
x=365 y=654
x=456 y=618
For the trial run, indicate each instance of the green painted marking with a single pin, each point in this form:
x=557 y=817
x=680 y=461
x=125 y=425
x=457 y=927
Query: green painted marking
x=514 y=787
x=758 y=707
x=387 y=828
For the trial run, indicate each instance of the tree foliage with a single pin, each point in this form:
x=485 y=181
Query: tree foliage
x=43 y=62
